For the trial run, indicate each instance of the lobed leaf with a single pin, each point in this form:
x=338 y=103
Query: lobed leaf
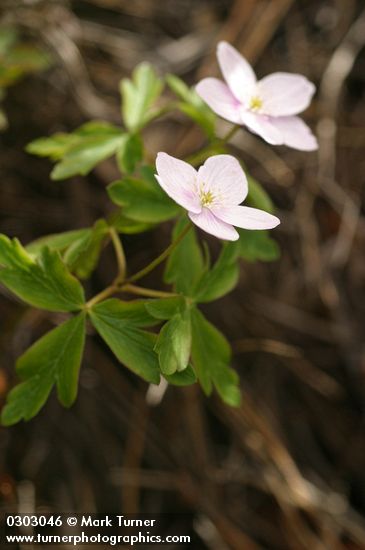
x=139 y=95
x=192 y=105
x=57 y=241
x=84 y=155
x=54 y=359
x=129 y=153
x=123 y=224
x=185 y=265
x=257 y=196
x=174 y=343
x=186 y=377
x=257 y=245
x=83 y=254
x=44 y=282
x=222 y=277
x=143 y=200
x=211 y=355
x=132 y=346
x=79 y=151
x=165 y=308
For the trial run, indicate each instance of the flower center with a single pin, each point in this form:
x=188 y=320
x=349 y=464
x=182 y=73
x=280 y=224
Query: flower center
x=206 y=198
x=256 y=103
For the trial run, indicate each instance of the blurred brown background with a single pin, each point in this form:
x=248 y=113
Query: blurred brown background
x=286 y=470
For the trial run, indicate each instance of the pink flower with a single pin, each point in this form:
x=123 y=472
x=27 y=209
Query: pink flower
x=212 y=194
x=267 y=107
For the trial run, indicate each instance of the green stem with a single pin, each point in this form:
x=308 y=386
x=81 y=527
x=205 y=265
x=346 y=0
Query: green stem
x=103 y=295
x=119 y=252
x=133 y=289
x=159 y=258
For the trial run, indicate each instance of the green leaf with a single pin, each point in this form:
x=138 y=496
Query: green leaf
x=57 y=241
x=54 y=359
x=13 y=255
x=132 y=346
x=97 y=128
x=185 y=265
x=143 y=200
x=123 y=224
x=174 y=343
x=192 y=105
x=187 y=377
x=179 y=87
x=138 y=96
x=211 y=355
x=165 y=308
x=26 y=399
x=223 y=276
x=133 y=312
x=43 y=282
x=79 y=151
x=84 y=155
x=129 y=153
x=54 y=147
x=83 y=254
x=257 y=245
x=257 y=196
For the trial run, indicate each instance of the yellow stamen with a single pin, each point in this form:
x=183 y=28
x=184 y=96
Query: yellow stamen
x=206 y=198
x=256 y=103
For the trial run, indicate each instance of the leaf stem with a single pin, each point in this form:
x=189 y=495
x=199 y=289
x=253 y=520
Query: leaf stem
x=103 y=295
x=119 y=252
x=230 y=133
x=140 y=291
x=121 y=285
x=159 y=258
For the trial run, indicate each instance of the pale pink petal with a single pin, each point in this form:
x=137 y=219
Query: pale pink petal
x=246 y=217
x=237 y=72
x=263 y=126
x=296 y=133
x=223 y=176
x=285 y=94
x=179 y=180
x=207 y=221
x=219 y=98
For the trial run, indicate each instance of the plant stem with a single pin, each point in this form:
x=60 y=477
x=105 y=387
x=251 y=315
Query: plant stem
x=159 y=258
x=230 y=133
x=119 y=252
x=118 y=286
x=108 y=291
x=133 y=289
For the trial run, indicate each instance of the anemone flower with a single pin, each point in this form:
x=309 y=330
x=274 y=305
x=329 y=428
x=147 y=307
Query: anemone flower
x=268 y=107
x=212 y=195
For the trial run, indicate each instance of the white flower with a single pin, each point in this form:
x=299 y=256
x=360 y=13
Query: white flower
x=267 y=106
x=212 y=194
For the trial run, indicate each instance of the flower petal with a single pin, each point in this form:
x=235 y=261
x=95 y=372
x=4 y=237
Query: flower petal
x=263 y=126
x=224 y=177
x=207 y=221
x=285 y=94
x=237 y=72
x=179 y=180
x=219 y=98
x=246 y=217
x=296 y=133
